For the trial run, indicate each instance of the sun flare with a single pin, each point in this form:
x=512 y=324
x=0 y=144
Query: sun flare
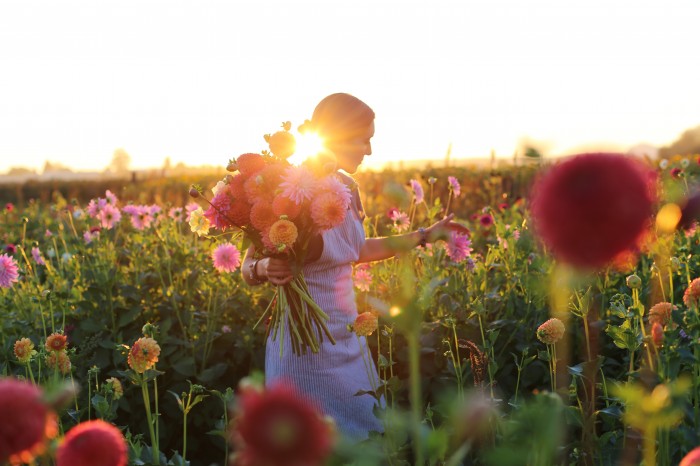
x=308 y=145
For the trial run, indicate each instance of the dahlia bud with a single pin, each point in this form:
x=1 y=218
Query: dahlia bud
x=194 y=193
x=232 y=166
x=634 y=282
x=675 y=264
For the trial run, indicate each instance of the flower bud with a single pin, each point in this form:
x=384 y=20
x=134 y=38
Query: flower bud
x=675 y=264
x=232 y=166
x=194 y=193
x=634 y=282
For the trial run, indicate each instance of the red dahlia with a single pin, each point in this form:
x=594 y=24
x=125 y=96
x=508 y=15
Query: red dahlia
x=592 y=207
x=279 y=427
x=225 y=211
x=93 y=443
x=26 y=421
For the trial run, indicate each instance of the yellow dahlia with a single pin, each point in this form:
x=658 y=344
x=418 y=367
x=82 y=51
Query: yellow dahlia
x=283 y=232
x=143 y=354
x=116 y=386
x=24 y=350
x=365 y=324
x=551 y=331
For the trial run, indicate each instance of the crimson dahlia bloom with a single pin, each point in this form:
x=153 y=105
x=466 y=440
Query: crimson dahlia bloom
x=93 y=443
x=592 y=207
x=26 y=421
x=279 y=427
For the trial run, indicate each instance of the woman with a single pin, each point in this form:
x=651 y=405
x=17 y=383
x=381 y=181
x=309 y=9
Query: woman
x=336 y=373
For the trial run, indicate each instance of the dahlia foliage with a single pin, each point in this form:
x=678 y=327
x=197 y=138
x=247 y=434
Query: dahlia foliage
x=281 y=209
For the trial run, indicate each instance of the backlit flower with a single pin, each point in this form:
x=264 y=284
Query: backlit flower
x=143 y=354
x=457 y=247
x=226 y=257
x=109 y=216
x=692 y=293
x=279 y=427
x=284 y=206
x=189 y=208
x=283 y=232
x=221 y=211
x=590 y=208
x=362 y=277
x=657 y=334
x=262 y=216
x=298 y=184
x=400 y=219
x=264 y=184
x=93 y=443
x=116 y=387
x=198 y=222
x=36 y=255
x=56 y=342
x=661 y=313
x=551 y=331
x=175 y=213
x=365 y=324
x=454 y=185
x=417 y=191
x=692 y=458
x=26 y=421
x=332 y=183
x=328 y=210
x=8 y=271
x=24 y=350
x=110 y=197
x=282 y=144
x=249 y=163
x=58 y=361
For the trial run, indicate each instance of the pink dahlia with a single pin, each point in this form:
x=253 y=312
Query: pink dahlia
x=591 y=207
x=175 y=213
x=93 y=442
x=109 y=216
x=332 y=183
x=36 y=255
x=328 y=210
x=400 y=219
x=280 y=427
x=8 y=271
x=486 y=220
x=363 y=277
x=225 y=211
x=417 y=191
x=298 y=184
x=458 y=247
x=454 y=185
x=27 y=421
x=692 y=458
x=226 y=257
x=189 y=208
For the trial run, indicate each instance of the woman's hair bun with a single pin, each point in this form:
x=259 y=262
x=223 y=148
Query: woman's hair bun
x=306 y=126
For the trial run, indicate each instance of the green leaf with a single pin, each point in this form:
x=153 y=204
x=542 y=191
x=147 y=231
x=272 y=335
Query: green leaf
x=185 y=367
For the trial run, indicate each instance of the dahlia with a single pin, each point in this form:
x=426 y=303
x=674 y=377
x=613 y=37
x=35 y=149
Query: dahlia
x=27 y=421
x=282 y=144
x=417 y=191
x=365 y=324
x=400 y=219
x=58 y=360
x=551 y=331
x=189 y=208
x=116 y=386
x=11 y=249
x=198 y=222
x=457 y=247
x=110 y=197
x=109 y=216
x=284 y=206
x=691 y=297
x=226 y=257
x=332 y=183
x=454 y=185
x=24 y=350
x=692 y=458
x=8 y=271
x=262 y=216
x=661 y=313
x=328 y=210
x=249 y=163
x=56 y=342
x=36 y=255
x=90 y=443
x=175 y=213
x=283 y=232
x=298 y=184
x=236 y=185
x=220 y=211
x=363 y=278
x=9 y=207
x=279 y=427
x=657 y=334
x=143 y=354
x=486 y=220
x=592 y=207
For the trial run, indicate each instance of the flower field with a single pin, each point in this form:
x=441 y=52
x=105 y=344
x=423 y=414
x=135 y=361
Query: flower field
x=554 y=334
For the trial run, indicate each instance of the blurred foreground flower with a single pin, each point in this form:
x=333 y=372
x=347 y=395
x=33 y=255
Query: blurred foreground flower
x=278 y=427
x=592 y=207
x=692 y=458
x=365 y=324
x=27 y=422
x=8 y=271
x=93 y=443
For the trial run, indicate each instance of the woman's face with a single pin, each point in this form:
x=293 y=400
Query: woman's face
x=350 y=153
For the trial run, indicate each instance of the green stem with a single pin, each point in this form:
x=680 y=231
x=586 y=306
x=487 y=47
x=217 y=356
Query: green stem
x=415 y=395
x=155 y=454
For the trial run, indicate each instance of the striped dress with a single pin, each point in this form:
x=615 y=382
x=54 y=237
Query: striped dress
x=333 y=376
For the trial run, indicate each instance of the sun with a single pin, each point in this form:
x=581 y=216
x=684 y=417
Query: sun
x=308 y=145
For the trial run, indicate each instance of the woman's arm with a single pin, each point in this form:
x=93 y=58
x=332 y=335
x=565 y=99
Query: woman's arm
x=376 y=249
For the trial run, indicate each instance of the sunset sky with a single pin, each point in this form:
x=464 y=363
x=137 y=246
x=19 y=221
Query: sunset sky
x=202 y=81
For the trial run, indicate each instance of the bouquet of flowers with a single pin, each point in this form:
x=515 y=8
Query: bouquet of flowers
x=279 y=207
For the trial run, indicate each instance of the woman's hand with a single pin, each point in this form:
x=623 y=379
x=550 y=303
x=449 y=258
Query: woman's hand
x=277 y=270
x=441 y=229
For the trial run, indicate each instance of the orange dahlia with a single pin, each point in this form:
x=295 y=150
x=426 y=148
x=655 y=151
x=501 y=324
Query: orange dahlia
x=283 y=232
x=249 y=163
x=143 y=354
x=661 y=313
x=24 y=350
x=328 y=210
x=282 y=205
x=691 y=297
x=93 y=442
x=657 y=334
x=58 y=360
x=282 y=144
x=551 y=331
x=56 y=342
x=262 y=216
x=365 y=324
x=27 y=422
x=264 y=183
